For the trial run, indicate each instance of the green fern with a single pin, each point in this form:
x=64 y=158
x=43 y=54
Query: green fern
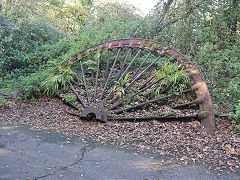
x=58 y=80
x=171 y=77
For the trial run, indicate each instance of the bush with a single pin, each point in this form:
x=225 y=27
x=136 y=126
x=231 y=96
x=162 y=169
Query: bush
x=20 y=45
x=50 y=80
x=208 y=32
x=220 y=69
x=29 y=86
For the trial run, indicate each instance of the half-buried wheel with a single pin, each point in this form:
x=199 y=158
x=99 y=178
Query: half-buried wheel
x=137 y=80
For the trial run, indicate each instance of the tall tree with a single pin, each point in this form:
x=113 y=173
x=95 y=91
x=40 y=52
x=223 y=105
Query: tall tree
x=68 y=16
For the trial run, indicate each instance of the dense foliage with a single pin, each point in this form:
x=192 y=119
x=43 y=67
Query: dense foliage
x=208 y=33
x=21 y=45
x=35 y=42
x=67 y=16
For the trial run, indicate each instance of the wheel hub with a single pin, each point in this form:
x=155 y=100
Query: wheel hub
x=97 y=112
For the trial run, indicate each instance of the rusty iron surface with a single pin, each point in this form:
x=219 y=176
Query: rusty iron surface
x=98 y=111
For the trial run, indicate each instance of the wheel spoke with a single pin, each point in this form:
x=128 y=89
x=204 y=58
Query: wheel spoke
x=138 y=69
x=107 y=67
x=96 y=82
x=85 y=83
x=152 y=77
x=78 y=97
x=124 y=63
x=68 y=103
x=140 y=91
x=148 y=102
x=159 y=118
x=125 y=72
x=135 y=79
x=109 y=76
x=197 y=101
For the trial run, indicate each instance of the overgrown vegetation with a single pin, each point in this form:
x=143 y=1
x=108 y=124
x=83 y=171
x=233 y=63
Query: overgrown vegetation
x=172 y=78
x=21 y=46
x=34 y=42
x=208 y=33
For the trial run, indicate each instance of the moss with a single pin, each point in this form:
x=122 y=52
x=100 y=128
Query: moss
x=165 y=48
x=70 y=98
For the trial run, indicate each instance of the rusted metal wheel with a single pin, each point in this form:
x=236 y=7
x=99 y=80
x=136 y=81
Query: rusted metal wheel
x=137 y=80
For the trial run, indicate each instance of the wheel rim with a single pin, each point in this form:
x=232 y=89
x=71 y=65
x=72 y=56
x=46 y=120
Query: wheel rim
x=137 y=80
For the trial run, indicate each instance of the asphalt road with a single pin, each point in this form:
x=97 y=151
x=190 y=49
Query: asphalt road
x=34 y=154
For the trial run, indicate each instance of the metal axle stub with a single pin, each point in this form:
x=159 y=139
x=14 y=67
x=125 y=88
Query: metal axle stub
x=98 y=111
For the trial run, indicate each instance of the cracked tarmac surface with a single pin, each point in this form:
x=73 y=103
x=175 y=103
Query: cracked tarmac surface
x=35 y=154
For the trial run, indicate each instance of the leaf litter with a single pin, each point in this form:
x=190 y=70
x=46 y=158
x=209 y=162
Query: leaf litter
x=177 y=139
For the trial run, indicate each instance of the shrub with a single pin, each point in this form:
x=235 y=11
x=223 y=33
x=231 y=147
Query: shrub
x=208 y=32
x=20 y=45
x=172 y=78
x=30 y=86
x=29 y=46
x=58 y=80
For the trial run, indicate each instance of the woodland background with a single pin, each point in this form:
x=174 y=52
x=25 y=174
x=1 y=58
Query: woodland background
x=36 y=36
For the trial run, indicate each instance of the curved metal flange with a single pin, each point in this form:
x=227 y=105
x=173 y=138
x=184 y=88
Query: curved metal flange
x=199 y=86
x=98 y=111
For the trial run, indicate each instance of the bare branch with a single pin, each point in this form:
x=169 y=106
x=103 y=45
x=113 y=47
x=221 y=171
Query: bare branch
x=189 y=12
x=165 y=10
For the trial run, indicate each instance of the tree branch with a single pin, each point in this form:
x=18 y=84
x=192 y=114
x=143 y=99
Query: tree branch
x=166 y=8
x=189 y=12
